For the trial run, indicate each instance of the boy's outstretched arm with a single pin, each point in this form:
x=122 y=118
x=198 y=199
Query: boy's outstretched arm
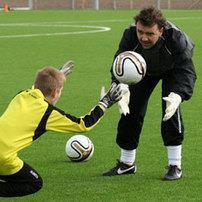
x=60 y=121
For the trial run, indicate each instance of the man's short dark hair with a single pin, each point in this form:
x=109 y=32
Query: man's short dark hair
x=150 y=16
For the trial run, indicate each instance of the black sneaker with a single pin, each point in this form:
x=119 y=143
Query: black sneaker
x=121 y=169
x=173 y=173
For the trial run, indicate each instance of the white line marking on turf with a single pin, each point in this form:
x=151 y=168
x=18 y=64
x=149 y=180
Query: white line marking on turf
x=186 y=18
x=66 y=24
x=120 y=20
x=96 y=29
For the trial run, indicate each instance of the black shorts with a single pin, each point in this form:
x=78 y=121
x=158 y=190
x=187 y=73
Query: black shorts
x=24 y=182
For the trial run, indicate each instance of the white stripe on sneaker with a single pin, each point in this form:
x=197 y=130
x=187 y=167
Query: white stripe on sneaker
x=120 y=171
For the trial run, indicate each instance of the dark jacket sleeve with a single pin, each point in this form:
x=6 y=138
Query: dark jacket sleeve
x=182 y=75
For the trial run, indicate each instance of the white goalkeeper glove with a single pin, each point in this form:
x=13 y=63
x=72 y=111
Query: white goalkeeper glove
x=123 y=103
x=172 y=103
x=67 y=68
x=112 y=96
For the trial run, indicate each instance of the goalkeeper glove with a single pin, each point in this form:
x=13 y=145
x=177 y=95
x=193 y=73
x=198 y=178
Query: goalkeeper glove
x=123 y=103
x=111 y=97
x=172 y=103
x=67 y=68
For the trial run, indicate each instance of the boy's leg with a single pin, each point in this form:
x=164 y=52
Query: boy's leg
x=24 y=182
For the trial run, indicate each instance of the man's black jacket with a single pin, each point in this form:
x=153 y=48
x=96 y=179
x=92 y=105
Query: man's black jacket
x=170 y=57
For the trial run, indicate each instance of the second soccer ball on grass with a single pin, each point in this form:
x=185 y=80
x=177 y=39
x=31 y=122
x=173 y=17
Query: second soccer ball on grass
x=79 y=148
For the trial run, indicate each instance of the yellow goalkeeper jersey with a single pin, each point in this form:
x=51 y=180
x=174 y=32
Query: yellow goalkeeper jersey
x=27 y=117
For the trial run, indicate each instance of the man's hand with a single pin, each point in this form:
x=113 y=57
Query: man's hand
x=67 y=68
x=111 y=97
x=123 y=103
x=172 y=103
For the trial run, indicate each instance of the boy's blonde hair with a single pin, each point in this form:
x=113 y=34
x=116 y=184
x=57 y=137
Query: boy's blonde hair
x=49 y=79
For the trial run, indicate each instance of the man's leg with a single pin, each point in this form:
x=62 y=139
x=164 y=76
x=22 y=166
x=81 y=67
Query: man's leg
x=130 y=126
x=173 y=135
x=24 y=182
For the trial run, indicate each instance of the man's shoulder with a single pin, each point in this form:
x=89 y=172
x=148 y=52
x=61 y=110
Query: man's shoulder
x=175 y=33
x=172 y=32
x=130 y=33
x=130 y=29
x=176 y=38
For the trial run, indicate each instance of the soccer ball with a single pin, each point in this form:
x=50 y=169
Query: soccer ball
x=79 y=148
x=129 y=67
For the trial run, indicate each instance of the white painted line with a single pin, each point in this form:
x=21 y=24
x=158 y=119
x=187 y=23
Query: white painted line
x=93 y=29
x=67 y=24
x=186 y=18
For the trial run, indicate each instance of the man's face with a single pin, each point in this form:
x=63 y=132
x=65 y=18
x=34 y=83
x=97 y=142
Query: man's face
x=148 y=36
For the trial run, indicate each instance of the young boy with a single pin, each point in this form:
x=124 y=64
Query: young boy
x=29 y=115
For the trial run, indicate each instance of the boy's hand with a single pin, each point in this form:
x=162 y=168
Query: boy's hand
x=67 y=67
x=112 y=96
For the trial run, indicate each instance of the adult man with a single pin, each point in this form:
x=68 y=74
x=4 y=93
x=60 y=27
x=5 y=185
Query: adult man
x=168 y=54
x=29 y=115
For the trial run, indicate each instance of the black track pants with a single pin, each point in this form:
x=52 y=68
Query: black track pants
x=26 y=181
x=130 y=126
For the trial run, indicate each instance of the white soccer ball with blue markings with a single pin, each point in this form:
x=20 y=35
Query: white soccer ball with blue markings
x=79 y=148
x=129 y=67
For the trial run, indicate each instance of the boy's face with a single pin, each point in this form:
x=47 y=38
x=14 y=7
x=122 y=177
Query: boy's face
x=148 y=36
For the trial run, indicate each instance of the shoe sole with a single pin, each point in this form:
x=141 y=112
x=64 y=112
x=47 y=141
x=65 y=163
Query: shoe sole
x=171 y=179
